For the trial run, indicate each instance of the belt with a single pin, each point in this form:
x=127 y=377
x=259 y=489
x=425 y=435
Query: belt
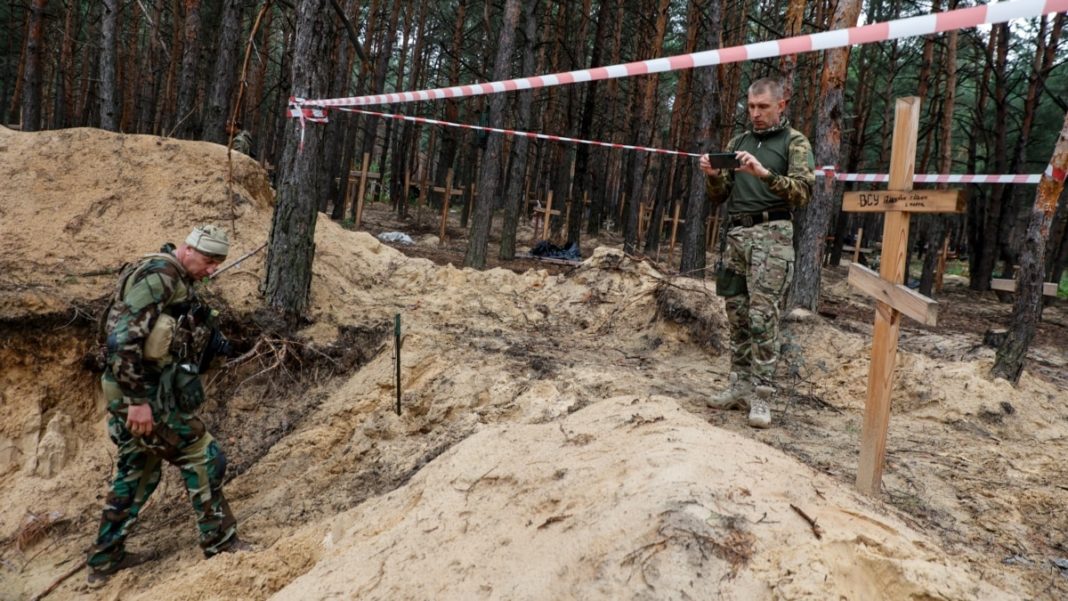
x=751 y=219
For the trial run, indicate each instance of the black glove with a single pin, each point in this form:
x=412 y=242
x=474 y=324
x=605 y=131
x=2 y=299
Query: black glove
x=218 y=346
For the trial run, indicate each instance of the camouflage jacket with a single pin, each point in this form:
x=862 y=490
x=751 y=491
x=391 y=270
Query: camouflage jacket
x=157 y=285
x=785 y=152
x=243 y=142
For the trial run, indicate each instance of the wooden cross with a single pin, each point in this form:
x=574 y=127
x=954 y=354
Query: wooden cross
x=363 y=175
x=1048 y=288
x=545 y=217
x=446 y=193
x=893 y=298
x=675 y=221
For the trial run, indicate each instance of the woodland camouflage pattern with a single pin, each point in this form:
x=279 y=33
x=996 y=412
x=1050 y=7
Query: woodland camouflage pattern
x=762 y=253
x=155 y=286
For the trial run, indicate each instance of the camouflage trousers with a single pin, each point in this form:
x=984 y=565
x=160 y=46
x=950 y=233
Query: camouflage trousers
x=180 y=439
x=764 y=255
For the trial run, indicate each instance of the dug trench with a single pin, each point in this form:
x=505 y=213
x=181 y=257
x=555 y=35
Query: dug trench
x=52 y=405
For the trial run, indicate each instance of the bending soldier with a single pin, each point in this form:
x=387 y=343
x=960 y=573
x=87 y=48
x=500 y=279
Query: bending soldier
x=157 y=336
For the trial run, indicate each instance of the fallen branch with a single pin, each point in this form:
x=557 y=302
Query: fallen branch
x=811 y=522
x=58 y=581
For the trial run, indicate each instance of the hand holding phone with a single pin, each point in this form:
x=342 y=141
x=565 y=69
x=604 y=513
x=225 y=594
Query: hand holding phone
x=723 y=160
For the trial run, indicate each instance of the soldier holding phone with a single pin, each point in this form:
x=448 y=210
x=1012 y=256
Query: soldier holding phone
x=772 y=173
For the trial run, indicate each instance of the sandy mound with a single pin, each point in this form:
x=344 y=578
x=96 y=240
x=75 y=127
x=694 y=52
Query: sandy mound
x=553 y=441
x=626 y=499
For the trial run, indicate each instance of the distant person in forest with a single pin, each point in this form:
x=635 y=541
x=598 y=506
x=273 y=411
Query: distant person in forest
x=159 y=339
x=775 y=175
x=242 y=139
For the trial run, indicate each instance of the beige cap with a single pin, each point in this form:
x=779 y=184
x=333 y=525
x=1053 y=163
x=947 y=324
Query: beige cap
x=209 y=240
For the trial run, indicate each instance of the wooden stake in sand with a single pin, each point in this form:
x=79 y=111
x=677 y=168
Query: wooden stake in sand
x=447 y=193
x=546 y=216
x=363 y=186
x=893 y=298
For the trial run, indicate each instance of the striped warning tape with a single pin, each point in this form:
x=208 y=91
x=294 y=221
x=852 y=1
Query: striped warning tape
x=933 y=178
x=959 y=178
x=526 y=134
x=962 y=18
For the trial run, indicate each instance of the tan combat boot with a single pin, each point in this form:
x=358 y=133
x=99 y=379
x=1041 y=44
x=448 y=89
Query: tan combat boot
x=734 y=395
x=760 y=408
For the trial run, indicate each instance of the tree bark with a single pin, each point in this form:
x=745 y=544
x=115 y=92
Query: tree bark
x=291 y=248
x=813 y=235
x=224 y=74
x=187 y=79
x=513 y=198
x=645 y=131
x=706 y=93
x=1027 y=310
x=109 y=101
x=489 y=180
x=937 y=231
x=31 y=87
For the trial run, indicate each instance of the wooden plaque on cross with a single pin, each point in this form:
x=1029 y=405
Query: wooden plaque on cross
x=893 y=298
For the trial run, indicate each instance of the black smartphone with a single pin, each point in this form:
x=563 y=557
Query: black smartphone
x=723 y=160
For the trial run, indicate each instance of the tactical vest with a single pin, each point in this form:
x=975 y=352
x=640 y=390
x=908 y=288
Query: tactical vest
x=159 y=344
x=749 y=194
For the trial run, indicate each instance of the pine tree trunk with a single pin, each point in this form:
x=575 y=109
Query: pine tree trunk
x=109 y=103
x=489 y=180
x=991 y=246
x=64 y=73
x=513 y=198
x=813 y=236
x=651 y=47
x=1027 y=310
x=705 y=92
x=291 y=249
x=224 y=75
x=31 y=88
x=187 y=79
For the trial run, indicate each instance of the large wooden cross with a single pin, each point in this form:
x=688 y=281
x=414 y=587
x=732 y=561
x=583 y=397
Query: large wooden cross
x=894 y=299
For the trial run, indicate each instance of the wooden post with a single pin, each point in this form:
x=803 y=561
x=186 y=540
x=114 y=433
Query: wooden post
x=548 y=215
x=714 y=238
x=404 y=196
x=674 y=227
x=893 y=298
x=423 y=187
x=363 y=188
x=856 y=244
x=941 y=271
x=446 y=195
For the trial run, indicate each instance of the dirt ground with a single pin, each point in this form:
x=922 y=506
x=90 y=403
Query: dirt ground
x=553 y=440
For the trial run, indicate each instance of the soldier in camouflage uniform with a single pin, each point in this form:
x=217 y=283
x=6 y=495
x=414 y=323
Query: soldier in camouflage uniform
x=242 y=139
x=151 y=383
x=775 y=176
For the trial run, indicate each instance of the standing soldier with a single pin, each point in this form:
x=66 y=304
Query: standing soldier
x=775 y=175
x=158 y=339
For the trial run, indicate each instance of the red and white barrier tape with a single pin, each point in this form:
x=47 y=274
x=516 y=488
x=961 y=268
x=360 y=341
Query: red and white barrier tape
x=297 y=110
x=1057 y=175
x=931 y=178
x=962 y=18
x=822 y=172
x=527 y=134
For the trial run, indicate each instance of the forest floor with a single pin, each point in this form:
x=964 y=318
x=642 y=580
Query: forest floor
x=553 y=440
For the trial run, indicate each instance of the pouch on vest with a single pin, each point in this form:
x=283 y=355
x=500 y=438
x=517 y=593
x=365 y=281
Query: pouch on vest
x=729 y=282
x=180 y=387
x=158 y=343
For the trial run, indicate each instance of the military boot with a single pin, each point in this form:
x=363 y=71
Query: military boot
x=99 y=577
x=760 y=407
x=734 y=395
